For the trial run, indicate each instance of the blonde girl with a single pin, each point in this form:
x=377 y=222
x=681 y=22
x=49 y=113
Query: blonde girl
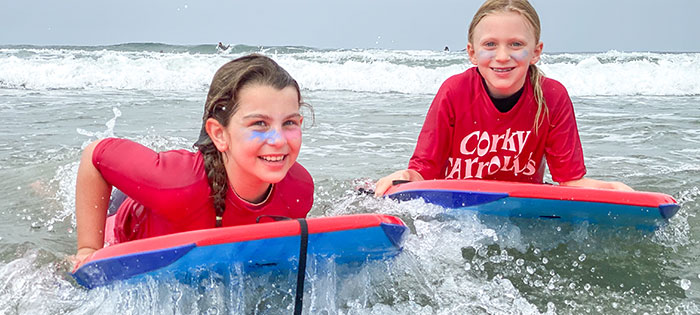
x=502 y=119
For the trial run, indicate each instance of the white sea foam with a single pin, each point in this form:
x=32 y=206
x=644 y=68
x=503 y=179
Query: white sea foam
x=377 y=71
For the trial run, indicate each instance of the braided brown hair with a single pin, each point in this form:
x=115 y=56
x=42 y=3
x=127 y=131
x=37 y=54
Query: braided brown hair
x=222 y=103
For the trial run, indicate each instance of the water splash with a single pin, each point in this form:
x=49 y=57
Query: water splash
x=109 y=132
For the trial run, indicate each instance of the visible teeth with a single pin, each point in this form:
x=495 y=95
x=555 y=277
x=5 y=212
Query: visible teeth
x=502 y=70
x=273 y=158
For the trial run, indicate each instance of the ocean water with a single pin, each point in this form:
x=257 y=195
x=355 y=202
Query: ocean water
x=638 y=115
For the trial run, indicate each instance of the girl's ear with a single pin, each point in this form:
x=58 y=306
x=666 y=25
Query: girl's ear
x=537 y=53
x=217 y=133
x=472 y=53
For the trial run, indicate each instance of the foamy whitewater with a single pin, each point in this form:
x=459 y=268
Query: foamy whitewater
x=638 y=115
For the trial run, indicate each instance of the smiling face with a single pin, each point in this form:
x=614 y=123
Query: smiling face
x=503 y=46
x=262 y=140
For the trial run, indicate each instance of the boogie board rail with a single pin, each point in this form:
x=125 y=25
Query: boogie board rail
x=576 y=204
x=540 y=191
x=350 y=238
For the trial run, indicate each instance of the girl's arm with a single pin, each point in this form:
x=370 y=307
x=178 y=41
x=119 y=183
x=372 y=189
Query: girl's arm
x=91 y=201
x=594 y=183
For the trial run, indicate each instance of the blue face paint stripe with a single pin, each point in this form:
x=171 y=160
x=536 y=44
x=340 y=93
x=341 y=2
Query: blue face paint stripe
x=485 y=55
x=270 y=136
x=520 y=56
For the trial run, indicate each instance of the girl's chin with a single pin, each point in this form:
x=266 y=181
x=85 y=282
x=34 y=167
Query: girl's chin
x=272 y=177
x=502 y=93
x=504 y=87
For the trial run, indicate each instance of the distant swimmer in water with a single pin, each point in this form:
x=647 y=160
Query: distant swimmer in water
x=447 y=48
x=222 y=47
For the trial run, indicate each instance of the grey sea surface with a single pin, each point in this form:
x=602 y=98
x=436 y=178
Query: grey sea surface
x=55 y=100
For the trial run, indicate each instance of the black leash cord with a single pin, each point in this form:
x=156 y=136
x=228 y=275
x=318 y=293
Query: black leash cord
x=301 y=271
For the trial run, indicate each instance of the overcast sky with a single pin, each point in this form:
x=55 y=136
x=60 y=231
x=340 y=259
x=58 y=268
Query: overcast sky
x=567 y=25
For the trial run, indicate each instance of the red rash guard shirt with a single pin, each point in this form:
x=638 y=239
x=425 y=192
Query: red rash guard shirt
x=168 y=192
x=465 y=136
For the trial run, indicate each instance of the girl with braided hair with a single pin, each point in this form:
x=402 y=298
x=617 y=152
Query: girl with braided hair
x=244 y=169
x=501 y=119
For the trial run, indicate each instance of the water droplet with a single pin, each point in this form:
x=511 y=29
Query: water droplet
x=685 y=284
x=545 y=260
x=521 y=262
x=582 y=257
x=530 y=269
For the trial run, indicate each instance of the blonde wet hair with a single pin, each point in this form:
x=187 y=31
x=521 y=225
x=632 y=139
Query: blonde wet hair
x=525 y=10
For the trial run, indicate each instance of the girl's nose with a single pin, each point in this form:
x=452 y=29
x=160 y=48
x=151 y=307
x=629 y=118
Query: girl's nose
x=275 y=138
x=502 y=54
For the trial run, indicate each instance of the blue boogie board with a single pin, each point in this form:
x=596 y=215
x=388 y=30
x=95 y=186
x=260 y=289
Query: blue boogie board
x=643 y=210
x=275 y=245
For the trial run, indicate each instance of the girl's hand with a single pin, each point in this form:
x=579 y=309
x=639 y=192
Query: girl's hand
x=79 y=258
x=594 y=183
x=384 y=183
x=618 y=186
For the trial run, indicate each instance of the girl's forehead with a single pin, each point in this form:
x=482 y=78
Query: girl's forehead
x=264 y=96
x=504 y=22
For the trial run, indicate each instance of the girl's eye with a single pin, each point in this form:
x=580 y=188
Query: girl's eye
x=259 y=123
x=291 y=123
x=517 y=44
x=489 y=44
